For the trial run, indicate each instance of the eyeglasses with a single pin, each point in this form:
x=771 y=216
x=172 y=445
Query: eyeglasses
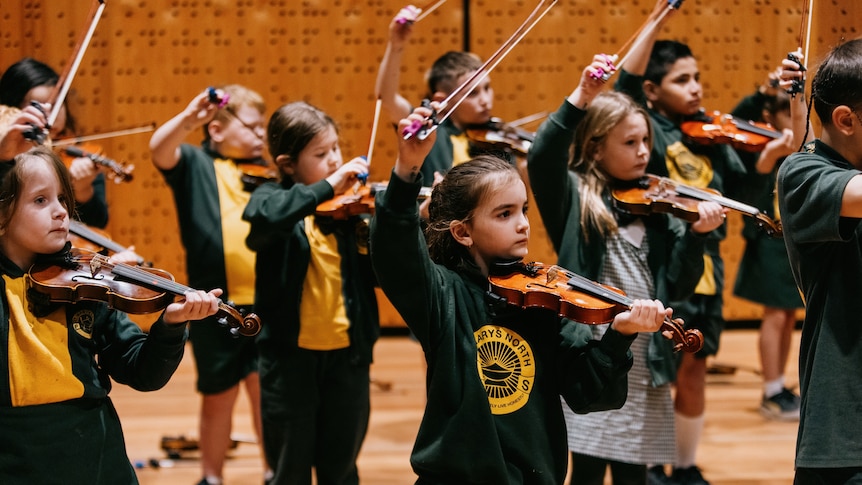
x=258 y=130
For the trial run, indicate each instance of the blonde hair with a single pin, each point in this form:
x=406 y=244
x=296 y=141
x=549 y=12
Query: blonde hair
x=607 y=110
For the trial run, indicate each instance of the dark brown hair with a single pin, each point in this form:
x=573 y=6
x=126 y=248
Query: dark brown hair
x=463 y=188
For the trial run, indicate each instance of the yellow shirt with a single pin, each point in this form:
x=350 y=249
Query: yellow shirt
x=322 y=315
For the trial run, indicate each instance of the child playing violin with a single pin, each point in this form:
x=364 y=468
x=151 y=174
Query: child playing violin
x=495 y=371
x=820 y=201
x=654 y=256
x=29 y=80
x=210 y=196
x=60 y=358
x=664 y=77
x=314 y=282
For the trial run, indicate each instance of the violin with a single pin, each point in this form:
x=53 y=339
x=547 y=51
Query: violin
x=572 y=296
x=117 y=171
x=751 y=136
x=498 y=135
x=652 y=193
x=356 y=202
x=86 y=237
x=85 y=275
x=253 y=175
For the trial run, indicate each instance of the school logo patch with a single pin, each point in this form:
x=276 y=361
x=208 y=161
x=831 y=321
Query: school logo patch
x=687 y=167
x=506 y=368
x=82 y=322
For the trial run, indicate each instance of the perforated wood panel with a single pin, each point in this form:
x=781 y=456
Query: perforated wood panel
x=148 y=58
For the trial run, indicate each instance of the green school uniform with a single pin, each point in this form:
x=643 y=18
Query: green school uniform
x=310 y=396
x=58 y=423
x=676 y=261
x=221 y=360
x=825 y=251
x=495 y=372
x=715 y=166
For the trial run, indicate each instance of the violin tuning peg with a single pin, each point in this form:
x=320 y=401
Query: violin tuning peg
x=222 y=321
x=234 y=332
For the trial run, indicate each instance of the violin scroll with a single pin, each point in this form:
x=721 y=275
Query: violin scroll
x=683 y=340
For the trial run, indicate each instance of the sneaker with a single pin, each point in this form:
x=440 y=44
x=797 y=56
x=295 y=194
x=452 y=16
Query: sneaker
x=783 y=406
x=657 y=476
x=688 y=476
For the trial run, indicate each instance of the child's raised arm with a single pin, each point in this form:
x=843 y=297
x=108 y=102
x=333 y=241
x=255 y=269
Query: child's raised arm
x=389 y=73
x=591 y=83
x=412 y=152
x=165 y=142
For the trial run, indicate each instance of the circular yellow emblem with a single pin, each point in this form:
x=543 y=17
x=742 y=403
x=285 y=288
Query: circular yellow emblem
x=506 y=368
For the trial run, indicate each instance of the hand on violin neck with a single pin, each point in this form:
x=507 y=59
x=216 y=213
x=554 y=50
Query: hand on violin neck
x=643 y=316
x=711 y=215
x=194 y=305
x=347 y=175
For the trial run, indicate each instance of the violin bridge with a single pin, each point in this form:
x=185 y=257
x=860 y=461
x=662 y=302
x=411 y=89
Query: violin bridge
x=95 y=267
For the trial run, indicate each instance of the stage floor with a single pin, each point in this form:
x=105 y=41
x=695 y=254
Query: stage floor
x=739 y=447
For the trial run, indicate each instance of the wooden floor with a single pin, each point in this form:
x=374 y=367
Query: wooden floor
x=739 y=447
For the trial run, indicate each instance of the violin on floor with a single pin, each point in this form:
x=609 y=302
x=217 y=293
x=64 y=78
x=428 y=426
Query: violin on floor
x=572 y=296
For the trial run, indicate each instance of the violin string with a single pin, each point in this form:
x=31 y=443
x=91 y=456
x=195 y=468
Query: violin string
x=142 y=276
x=704 y=195
x=594 y=288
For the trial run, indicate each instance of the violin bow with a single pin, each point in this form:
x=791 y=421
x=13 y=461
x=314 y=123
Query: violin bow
x=100 y=136
x=423 y=12
x=456 y=97
x=647 y=27
x=364 y=178
x=798 y=85
x=58 y=96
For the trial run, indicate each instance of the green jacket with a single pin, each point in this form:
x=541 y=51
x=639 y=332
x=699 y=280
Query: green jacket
x=276 y=212
x=676 y=258
x=495 y=372
x=79 y=440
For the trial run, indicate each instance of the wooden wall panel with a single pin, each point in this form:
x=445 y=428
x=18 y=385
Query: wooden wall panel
x=148 y=58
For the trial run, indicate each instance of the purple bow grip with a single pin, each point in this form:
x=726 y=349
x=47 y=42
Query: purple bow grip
x=414 y=128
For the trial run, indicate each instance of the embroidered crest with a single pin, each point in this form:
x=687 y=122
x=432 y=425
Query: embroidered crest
x=83 y=321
